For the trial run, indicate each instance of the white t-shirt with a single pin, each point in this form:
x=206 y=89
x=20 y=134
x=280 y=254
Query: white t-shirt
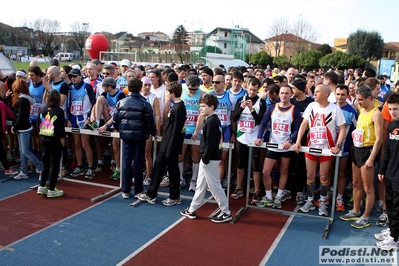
x=323 y=123
x=332 y=99
x=160 y=93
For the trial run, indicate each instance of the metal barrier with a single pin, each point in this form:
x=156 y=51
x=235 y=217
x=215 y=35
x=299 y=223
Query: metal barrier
x=229 y=146
x=157 y=139
x=325 y=152
x=104 y=134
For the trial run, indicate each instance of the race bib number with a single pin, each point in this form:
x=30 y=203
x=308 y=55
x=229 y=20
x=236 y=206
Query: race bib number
x=35 y=109
x=318 y=135
x=357 y=136
x=77 y=108
x=247 y=123
x=191 y=118
x=111 y=111
x=280 y=127
x=222 y=114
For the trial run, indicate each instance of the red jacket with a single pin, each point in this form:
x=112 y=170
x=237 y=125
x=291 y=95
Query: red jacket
x=5 y=112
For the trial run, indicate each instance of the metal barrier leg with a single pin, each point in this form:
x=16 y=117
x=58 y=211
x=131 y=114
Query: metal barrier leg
x=229 y=171
x=335 y=182
x=325 y=152
x=120 y=163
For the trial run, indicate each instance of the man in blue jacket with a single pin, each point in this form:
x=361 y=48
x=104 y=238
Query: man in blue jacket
x=134 y=120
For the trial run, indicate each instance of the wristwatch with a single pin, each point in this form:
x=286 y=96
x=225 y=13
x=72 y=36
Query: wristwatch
x=339 y=145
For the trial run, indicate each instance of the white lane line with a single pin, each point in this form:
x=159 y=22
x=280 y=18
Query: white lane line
x=16 y=194
x=278 y=238
x=150 y=241
x=208 y=200
x=52 y=225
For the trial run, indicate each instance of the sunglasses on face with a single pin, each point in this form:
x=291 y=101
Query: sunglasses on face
x=216 y=82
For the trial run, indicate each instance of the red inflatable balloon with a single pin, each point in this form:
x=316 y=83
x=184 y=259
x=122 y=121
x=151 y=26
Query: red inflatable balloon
x=95 y=44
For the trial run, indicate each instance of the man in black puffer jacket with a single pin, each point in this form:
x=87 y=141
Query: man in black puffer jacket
x=134 y=120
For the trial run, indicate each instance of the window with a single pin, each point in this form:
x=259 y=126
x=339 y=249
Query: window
x=225 y=34
x=225 y=45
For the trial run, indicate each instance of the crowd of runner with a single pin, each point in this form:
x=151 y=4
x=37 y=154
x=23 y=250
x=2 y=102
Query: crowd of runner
x=346 y=113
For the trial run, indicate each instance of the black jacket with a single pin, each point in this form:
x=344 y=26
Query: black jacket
x=22 y=112
x=174 y=130
x=210 y=140
x=58 y=123
x=390 y=161
x=134 y=118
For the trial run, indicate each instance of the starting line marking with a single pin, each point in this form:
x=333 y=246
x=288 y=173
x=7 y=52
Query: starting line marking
x=278 y=238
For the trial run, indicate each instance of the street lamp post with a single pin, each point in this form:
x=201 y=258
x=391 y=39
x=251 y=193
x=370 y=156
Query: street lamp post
x=85 y=27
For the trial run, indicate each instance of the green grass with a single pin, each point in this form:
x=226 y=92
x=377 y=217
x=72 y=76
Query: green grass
x=25 y=65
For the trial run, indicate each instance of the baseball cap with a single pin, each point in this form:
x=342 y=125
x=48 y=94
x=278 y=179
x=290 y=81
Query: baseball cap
x=109 y=82
x=74 y=73
x=125 y=62
x=76 y=67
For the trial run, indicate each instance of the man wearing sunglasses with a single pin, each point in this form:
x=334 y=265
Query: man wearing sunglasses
x=191 y=96
x=227 y=101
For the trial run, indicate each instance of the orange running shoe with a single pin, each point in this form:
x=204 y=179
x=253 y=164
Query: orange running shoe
x=339 y=205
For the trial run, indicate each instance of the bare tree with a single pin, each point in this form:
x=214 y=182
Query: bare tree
x=46 y=30
x=306 y=35
x=277 y=29
x=30 y=39
x=180 y=40
x=80 y=33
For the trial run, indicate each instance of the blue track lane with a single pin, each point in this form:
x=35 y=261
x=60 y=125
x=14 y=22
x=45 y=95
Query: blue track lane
x=300 y=243
x=104 y=234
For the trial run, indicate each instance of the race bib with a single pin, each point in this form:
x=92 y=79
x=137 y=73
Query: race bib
x=357 y=136
x=247 y=123
x=191 y=118
x=35 y=109
x=77 y=108
x=111 y=111
x=318 y=135
x=280 y=127
x=222 y=114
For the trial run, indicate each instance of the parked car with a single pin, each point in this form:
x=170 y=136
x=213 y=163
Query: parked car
x=64 y=57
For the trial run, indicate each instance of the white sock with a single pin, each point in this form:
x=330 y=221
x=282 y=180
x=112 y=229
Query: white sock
x=181 y=169
x=100 y=162
x=194 y=175
x=118 y=168
x=269 y=194
x=279 y=192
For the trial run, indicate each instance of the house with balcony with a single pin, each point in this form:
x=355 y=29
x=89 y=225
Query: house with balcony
x=234 y=41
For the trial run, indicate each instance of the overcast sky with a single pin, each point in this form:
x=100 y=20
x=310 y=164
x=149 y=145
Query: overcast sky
x=331 y=19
